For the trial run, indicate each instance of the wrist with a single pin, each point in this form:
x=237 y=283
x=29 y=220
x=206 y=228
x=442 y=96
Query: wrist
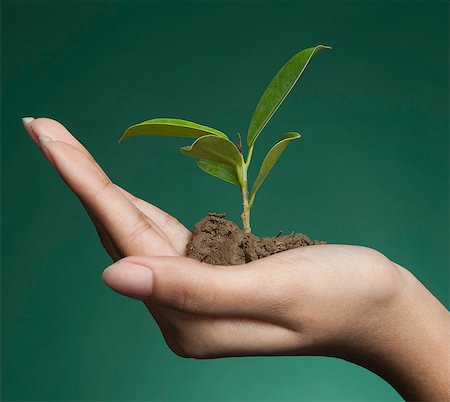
x=405 y=341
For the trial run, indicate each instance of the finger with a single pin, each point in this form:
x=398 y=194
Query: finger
x=43 y=126
x=128 y=227
x=189 y=286
x=174 y=230
x=178 y=234
x=61 y=133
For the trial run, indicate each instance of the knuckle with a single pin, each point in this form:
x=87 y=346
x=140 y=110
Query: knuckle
x=188 y=301
x=138 y=227
x=102 y=188
x=168 y=223
x=194 y=298
x=386 y=273
x=380 y=262
x=370 y=257
x=375 y=256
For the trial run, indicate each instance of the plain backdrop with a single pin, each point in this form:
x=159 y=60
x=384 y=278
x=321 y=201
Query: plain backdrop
x=370 y=169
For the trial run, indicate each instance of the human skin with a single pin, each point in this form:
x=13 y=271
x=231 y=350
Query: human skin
x=343 y=301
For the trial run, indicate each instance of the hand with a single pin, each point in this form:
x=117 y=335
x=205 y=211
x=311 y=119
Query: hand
x=344 y=301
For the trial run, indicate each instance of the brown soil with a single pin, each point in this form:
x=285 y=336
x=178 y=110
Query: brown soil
x=216 y=240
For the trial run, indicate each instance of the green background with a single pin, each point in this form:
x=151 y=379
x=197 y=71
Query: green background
x=371 y=169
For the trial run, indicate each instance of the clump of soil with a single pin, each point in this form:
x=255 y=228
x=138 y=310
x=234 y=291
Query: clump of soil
x=216 y=240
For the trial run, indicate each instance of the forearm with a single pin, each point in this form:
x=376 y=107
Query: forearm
x=408 y=345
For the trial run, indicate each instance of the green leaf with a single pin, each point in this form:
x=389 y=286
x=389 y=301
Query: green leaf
x=170 y=127
x=214 y=148
x=278 y=89
x=224 y=172
x=270 y=160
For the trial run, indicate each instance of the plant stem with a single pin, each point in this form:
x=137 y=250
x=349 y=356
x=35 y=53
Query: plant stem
x=245 y=216
x=249 y=156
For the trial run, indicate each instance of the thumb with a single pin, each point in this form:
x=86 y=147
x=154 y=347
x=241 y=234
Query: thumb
x=190 y=286
x=130 y=279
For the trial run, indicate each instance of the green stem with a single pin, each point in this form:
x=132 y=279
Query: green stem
x=249 y=156
x=245 y=216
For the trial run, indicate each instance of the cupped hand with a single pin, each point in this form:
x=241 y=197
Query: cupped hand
x=257 y=308
x=334 y=300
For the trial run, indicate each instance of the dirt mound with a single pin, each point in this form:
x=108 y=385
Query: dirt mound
x=216 y=240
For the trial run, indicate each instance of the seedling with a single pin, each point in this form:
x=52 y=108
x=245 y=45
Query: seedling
x=217 y=154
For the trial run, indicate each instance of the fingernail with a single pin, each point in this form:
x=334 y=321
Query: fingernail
x=26 y=123
x=129 y=279
x=39 y=138
x=43 y=139
x=26 y=120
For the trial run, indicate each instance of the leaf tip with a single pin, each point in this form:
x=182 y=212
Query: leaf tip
x=324 y=47
x=291 y=135
x=124 y=136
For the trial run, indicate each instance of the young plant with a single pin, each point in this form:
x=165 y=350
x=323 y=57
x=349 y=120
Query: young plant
x=217 y=154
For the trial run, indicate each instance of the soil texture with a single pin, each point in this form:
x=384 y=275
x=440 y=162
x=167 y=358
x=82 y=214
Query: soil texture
x=218 y=241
